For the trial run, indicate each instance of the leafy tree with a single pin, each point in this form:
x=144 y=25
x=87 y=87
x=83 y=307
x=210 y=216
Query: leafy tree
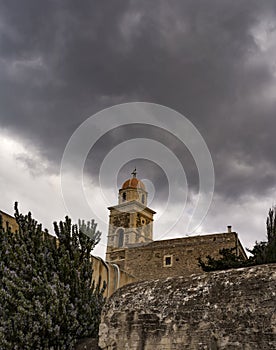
x=265 y=252
x=48 y=299
x=228 y=260
x=262 y=252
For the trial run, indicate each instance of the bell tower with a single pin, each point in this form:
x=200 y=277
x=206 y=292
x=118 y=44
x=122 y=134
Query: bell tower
x=130 y=221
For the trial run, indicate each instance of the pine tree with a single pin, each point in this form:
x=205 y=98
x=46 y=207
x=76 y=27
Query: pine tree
x=46 y=288
x=75 y=271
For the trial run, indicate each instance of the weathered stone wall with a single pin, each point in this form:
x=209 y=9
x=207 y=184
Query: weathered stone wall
x=87 y=344
x=231 y=310
x=148 y=261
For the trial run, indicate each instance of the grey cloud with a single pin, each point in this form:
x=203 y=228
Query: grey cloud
x=63 y=61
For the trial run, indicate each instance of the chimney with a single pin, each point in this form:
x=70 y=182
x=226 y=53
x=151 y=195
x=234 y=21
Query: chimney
x=229 y=229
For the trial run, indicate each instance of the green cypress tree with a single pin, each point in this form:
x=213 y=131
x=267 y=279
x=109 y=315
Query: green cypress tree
x=265 y=252
x=271 y=235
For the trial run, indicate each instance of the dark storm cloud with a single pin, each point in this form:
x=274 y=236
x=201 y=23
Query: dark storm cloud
x=63 y=61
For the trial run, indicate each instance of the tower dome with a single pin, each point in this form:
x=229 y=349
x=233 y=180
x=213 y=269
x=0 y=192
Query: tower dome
x=133 y=183
x=133 y=189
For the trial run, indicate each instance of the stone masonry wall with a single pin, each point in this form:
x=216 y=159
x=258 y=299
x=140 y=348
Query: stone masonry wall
x=231 y=310
x=148 y=261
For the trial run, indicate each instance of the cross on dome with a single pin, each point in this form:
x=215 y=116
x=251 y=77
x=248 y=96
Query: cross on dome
x=134 y=173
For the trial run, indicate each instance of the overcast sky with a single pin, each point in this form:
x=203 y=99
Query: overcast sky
x=212 y=61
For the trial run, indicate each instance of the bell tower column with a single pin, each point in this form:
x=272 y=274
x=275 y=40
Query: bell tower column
x=130 y=221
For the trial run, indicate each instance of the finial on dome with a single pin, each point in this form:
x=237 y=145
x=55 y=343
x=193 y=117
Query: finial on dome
x=134 y=173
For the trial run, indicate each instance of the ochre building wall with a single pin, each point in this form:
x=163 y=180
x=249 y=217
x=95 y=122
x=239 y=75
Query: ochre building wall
x=10 y=220
x=111 y=274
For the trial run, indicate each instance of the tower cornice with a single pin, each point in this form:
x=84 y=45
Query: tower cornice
x=132 y=205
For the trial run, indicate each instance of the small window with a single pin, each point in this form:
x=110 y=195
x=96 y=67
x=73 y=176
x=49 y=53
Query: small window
x=143 y=198
x=167 y=260
x=124 y=196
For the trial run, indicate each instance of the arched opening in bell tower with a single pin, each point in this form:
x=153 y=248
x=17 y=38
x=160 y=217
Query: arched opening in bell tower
x=120 y=234
x=143 y=198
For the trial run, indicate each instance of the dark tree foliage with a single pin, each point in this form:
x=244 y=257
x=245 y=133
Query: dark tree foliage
x=228 y=260
x=48 y=298
x=262 y=252
x=265 y=252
